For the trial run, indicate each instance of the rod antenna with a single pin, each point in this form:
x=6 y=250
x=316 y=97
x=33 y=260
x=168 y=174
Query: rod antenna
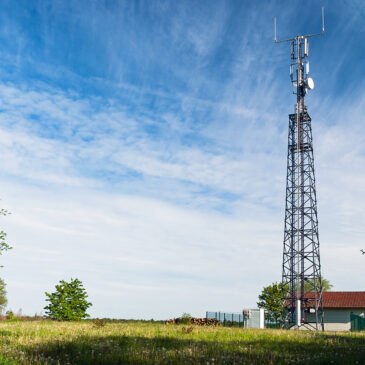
x=302 y=36
x=275 y=29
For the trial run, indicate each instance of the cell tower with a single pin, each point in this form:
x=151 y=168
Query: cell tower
x=301 y=276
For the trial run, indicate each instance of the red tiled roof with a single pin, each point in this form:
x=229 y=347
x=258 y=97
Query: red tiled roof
x=344 y=299
x=338 y=299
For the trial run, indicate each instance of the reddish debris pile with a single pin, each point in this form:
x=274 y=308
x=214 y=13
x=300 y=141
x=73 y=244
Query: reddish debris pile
x=196 y=321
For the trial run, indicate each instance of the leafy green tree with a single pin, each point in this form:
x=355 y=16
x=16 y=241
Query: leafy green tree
x=326 y=285
x=3 y=299
x=270 y=297
x=68 y=302
x=4 y=246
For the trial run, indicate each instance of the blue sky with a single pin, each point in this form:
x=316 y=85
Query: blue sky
x=144 y=149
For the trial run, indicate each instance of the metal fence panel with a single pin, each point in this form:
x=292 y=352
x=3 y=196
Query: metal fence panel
x=251 y=320
x=270 y=321
x=227 y=318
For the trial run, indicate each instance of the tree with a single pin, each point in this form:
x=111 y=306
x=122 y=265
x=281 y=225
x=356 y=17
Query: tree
x=4 y=246
x=270 y=297
x=363 y=252
x=326 y=285
x=68 y=302
x=3 y=299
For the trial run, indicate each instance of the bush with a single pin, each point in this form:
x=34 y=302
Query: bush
x=98 y=323
x=185 y=318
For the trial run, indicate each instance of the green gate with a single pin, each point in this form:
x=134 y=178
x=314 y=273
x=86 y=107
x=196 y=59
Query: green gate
x=357 y=322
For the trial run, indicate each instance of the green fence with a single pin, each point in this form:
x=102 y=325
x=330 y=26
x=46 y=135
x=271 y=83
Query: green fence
x=275 y=325
x=227 y=319
x=248 y=318
x=271 y=321
x=357 y=322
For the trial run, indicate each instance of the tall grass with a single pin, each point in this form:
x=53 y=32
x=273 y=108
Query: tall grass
x=48 y=342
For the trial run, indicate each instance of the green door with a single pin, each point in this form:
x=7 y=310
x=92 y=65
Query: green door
x=357 y=322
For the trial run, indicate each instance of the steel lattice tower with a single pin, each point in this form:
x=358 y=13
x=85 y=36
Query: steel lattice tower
x=301 y=273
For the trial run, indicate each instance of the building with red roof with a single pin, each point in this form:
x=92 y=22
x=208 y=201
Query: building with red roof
x=338 y=306
x=344 y=299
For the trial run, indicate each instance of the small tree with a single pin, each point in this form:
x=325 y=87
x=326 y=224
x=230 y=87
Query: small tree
x=68 y=302
x=4 y=246
x=270 y=299
x=3 y=299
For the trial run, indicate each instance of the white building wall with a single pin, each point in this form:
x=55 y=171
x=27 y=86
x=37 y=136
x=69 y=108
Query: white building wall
x=337 y=319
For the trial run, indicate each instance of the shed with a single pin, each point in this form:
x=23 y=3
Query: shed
x=338 y=306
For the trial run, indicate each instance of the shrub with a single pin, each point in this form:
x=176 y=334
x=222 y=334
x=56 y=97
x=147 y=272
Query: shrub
x=185 y=318
x=98 y=323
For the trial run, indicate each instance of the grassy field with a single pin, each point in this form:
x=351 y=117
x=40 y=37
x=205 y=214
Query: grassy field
x=47 y=342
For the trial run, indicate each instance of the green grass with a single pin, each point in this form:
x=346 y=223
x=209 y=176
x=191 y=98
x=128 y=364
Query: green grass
x=47 y=342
